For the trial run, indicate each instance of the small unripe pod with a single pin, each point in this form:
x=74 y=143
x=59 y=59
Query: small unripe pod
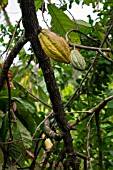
x=77 y=60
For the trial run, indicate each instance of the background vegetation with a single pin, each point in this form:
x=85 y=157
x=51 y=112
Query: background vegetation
x=36 y=125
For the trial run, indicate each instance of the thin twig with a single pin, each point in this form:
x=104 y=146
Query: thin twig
x=78 y=31
x=74 y=20
x=19 y=157
x=82 y=111
x=38 y=127
x=11 y=40
x=105 y=56
x=19 y=140
x=86 y=47
x=21 y=42
x=89 y=48
x=37 y=150
x=43 y=7
x=8 y=22
x=99 y=106
x=46 y=104
x=106 y=36
x=81 y=155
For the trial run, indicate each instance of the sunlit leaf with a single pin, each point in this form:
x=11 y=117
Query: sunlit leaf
x=38 y=4
x=84 y=23
x=60 y=22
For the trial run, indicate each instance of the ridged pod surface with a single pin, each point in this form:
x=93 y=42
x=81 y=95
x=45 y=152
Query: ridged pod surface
x=77 y=60
x=54 y=46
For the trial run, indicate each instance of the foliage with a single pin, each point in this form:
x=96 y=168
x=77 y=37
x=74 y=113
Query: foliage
x=87 y=96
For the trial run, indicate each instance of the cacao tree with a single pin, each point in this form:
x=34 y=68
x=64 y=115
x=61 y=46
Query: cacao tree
x=56 y=111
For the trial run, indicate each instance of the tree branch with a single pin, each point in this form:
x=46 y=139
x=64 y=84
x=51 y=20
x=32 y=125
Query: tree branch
x=105 y=56
x=49 y=132
x=87 y=47
x=99 y=106
x=10 y=59
x=32 y=29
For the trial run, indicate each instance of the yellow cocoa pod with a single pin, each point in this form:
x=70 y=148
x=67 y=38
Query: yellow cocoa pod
x=54 y=46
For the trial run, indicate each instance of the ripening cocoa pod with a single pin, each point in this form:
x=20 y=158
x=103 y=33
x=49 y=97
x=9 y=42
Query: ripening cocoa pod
x=77 y=60
x=54 y=46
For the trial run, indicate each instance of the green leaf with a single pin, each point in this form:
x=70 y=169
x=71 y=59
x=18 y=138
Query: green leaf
x=60 y=22
x=4 y=128
x=104 y=61
x=3 y=3
x=42 y=94
x=88 y=2
x=100 y=31
x=22 y=92
x=84 y=23
x=38 y=4
x=111 y=152
x=64 y=7
x=68 y=90
x=77 y=1
x=15 y=70
x=110 y=104
x=20 y=132
x=16 y=152
x=1 y=121
x=25 y=117
x=28 y=106
x=110 y=134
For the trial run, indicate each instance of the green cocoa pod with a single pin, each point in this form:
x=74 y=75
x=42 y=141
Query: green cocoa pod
x=77 y=60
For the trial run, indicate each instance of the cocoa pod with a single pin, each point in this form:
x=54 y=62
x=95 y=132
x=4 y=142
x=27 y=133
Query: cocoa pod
x=54 y=46
x=77 y=60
